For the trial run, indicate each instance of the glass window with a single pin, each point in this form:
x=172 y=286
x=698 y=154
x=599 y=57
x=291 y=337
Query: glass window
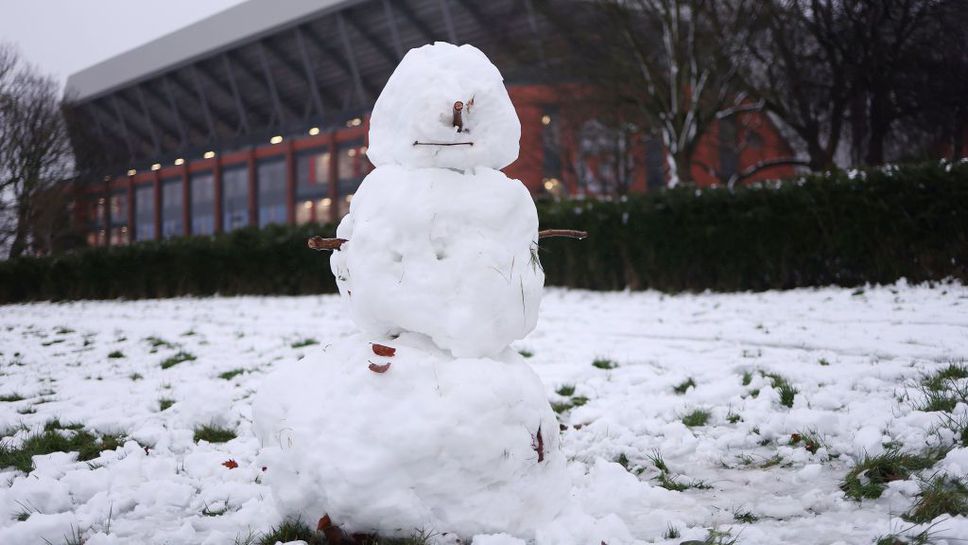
x=171 y=208
x=203 y=203
x=351 y=163
x=271 y=175
x=728 y=154
x=312 y=186
x=119 y=218
x=654 y=160
x=235 y=197
x=144 y=212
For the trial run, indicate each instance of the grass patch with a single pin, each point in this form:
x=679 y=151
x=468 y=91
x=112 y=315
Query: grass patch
x=671 y=532
x=747 y=378
x=808 y=440
x=165 y=403
x=10 y=398
x=294 y=530
x=52 y=439
x=209 y=512
x=746 y=517
x=180 y=357
x=566 y=390
x=27 y=410
x=719 y=537
x=525 y=353
x=562 y=406
x=667 y=480
x=942 y=494
x=157 y=343
x=135 y=376
x=869 y=478
x=824 y=362
x=63 y=330
x=787 y=391
x=213 y=434
x=604 y=363
x=304 y=343
x=229 y=375
x=733 y=418
x=682 y=387
x=115 y=354
x=941 y=379
x=698 y=417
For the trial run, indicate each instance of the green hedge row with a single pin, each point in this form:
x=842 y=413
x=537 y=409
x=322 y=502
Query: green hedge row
x=835 y=229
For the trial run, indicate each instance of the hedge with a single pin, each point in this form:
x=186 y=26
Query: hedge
x=840 y=228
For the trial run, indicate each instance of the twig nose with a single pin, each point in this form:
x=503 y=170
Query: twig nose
x=458 y=121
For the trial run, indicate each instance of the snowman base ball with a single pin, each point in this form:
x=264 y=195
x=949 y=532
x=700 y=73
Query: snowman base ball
x=428 y=443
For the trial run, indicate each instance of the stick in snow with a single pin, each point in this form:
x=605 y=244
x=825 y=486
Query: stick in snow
x=537 y=443
x=568 y=233
x=320 y=243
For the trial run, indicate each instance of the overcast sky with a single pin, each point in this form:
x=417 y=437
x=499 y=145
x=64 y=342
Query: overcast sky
x=61 y=37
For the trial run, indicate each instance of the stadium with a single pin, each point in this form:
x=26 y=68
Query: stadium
x=258 y=115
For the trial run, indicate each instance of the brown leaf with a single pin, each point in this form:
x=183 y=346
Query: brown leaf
x=376 y=368
x=324 y=523
x=231 y=464
x=384 y=350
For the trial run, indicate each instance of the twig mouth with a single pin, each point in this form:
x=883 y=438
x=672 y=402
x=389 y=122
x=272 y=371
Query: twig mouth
x=418 y=143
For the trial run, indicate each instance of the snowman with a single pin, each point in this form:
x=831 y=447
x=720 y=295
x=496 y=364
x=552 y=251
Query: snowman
x=426 y=421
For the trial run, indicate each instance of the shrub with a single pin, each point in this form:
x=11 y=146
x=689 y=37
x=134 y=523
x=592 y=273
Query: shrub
x=825 y=229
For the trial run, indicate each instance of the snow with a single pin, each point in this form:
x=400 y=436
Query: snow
x=431 y=442
x=417 y=105
x=443 y=253
x=875 y=343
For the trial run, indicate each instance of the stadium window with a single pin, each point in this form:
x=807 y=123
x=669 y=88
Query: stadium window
x=551 y=151
x=235 y=197
x=172 y=208
x=350 y=160
x=203 y=203
x=654 y=161
x=312 y=185
x=144 y=213
x=271 y=178
x=119 y=218
x=728 y=155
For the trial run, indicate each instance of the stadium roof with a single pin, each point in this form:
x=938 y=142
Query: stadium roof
x=275 y=67
x=248 y=20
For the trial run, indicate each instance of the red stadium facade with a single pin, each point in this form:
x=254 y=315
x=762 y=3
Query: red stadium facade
x=270 y=126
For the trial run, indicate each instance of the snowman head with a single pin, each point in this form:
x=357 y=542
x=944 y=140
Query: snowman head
x=444 y=106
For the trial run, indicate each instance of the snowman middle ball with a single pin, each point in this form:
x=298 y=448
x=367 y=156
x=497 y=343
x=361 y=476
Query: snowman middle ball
x=448 y=254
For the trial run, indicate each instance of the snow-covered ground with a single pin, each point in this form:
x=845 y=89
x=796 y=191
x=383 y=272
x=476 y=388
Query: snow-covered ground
x=850 y=354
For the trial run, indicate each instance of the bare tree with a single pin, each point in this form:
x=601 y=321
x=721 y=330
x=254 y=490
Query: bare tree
x=34 y=148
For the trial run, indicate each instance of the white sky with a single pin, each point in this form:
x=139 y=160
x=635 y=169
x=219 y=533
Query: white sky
x=61 y=37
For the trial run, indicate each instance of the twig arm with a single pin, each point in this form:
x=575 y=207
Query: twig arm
x=320 y=243
x=568 y=233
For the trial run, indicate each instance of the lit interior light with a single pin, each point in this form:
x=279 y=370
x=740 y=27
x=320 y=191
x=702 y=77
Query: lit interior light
x=351 y=153
x=363 y=150
x=107 y=178
x=308 y=204
x=314 y=131
x=124 y=229
x=156 y=166
x=326 y=202
x=546 y=120
x=349 y=198
x=101 y=200
x=275 y=139
x=551 y=184
x=355 y=122
x=179 y=162
x=209 y=154
x=132 y=172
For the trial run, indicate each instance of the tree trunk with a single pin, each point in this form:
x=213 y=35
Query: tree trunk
x=879 y=126
x=19 y=244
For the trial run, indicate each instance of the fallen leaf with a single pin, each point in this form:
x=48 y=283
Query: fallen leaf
x=376 y=368
x=231 y=464
x=384 y=350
